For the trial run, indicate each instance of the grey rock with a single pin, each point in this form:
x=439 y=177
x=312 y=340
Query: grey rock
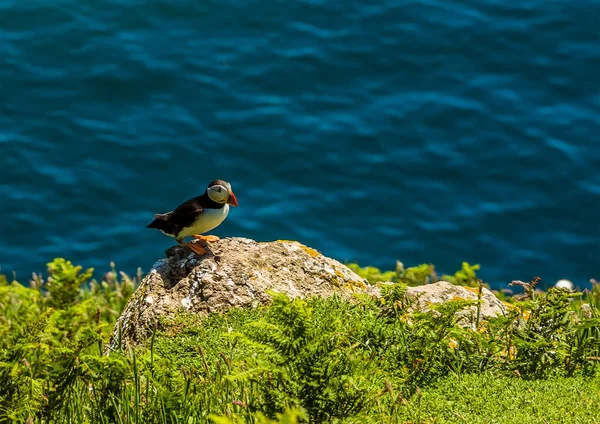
x=443 y=291
x=235 y=272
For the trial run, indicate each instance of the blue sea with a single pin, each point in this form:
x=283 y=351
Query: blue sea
x=374 y=131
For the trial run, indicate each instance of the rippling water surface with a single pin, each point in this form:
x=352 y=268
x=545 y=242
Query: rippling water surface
x=424 y=131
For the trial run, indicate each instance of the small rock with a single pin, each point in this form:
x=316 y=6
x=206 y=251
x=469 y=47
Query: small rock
x=443 y=291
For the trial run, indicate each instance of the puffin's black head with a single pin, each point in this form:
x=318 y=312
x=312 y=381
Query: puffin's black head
x=220 y=191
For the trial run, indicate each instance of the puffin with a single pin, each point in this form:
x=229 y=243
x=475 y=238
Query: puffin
x=197 y=216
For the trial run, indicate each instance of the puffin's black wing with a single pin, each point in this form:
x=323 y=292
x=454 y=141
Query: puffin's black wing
x=182 y=217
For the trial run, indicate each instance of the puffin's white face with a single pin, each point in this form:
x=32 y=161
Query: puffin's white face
x=218 y=193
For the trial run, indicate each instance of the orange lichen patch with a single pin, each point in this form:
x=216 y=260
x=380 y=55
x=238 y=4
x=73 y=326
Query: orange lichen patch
x=508 y=304
x=331 y=279
x=458 y=298
x=472 y=289
x=340 y=274
x=359 y=283
x=353 y=284
x=526 y=314
x=349 y=286
x=311 y=252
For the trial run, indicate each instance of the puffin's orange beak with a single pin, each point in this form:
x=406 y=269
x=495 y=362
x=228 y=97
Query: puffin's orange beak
x=232 y=199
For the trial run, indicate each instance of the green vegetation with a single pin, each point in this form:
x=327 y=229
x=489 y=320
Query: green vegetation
x=418 y=275
x=319 y=360
x=487 y=398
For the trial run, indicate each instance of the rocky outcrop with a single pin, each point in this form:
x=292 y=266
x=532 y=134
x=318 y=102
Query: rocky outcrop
x=235 y=272
x=238 y=272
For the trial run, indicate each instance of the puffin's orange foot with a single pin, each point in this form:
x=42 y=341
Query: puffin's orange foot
x=210 y=239
x=196 y=248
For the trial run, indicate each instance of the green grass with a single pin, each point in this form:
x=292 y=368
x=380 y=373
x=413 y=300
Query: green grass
x=318 y=360
x=486 y=398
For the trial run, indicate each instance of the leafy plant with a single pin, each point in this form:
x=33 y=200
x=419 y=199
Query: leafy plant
x=466 y=276
x=310 y=355
x=373 y=274
x=412 y=276
x=65 y=281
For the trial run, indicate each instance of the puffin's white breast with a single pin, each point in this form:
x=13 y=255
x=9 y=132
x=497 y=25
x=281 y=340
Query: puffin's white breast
x=210 y=218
